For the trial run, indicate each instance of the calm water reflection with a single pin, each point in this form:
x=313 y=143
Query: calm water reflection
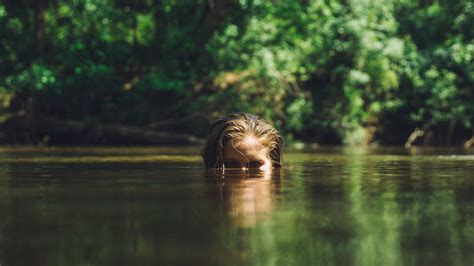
x=156 y=206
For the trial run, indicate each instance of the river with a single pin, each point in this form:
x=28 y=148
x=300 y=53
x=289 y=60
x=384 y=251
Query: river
x=157 y=206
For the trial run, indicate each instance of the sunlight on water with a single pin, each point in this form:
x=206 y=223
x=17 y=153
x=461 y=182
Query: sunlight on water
x=102 y=159
x=155 y=206
x=457 y=157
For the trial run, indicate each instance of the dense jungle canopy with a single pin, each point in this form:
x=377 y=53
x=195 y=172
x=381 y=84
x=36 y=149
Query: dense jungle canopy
x=323 y=71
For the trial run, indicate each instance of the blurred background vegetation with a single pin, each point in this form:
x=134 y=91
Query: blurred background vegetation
x=158 y=72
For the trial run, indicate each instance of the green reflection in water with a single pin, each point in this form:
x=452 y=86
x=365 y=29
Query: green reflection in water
x=377 y=233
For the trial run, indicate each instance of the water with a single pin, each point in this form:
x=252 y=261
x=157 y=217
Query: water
x=156 y=206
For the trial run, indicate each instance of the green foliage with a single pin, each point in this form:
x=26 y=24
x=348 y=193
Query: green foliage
x=33 y=78
x=321 y=71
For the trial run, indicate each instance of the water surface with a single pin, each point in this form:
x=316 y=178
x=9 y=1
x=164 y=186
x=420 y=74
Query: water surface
x=156 y=206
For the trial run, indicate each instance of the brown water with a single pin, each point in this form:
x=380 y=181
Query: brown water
x=156 y=206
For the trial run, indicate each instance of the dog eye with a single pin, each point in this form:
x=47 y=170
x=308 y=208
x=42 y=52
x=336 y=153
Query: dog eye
x=255 y=164
x=232 y=164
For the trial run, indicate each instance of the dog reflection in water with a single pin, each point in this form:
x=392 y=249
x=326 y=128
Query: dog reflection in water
x=248 y=196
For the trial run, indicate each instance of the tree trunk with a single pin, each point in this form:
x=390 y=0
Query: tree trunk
x=469 y=143
x=47 y=126
x=39 y=26
x=449 y=136
x=214 y=14
x=413 y=136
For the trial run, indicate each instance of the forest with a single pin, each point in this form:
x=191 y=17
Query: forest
x=332 y=72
